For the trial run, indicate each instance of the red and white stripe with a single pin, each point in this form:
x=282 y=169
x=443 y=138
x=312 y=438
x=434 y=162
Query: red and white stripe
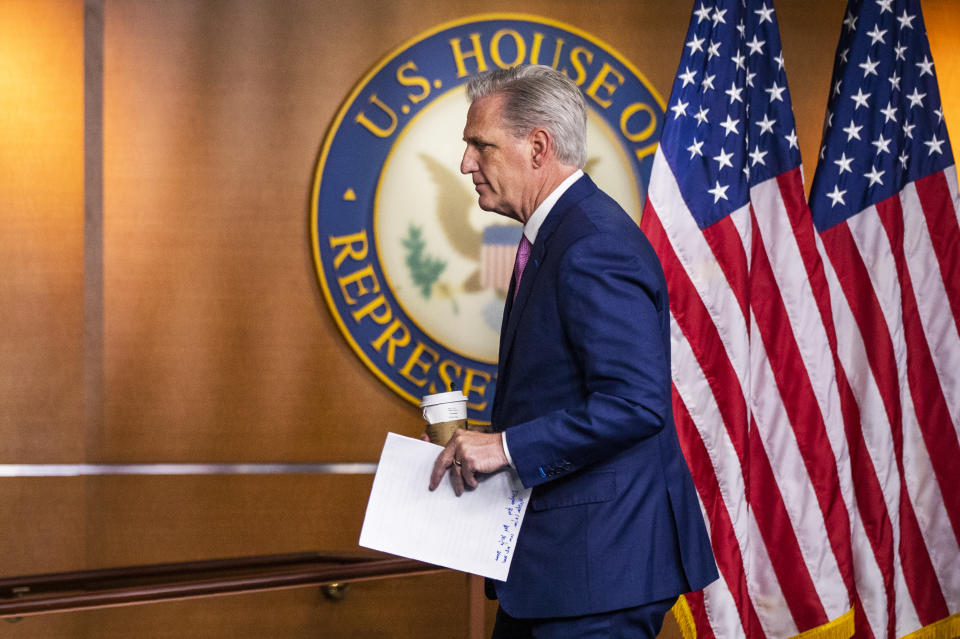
x=894 y=274
x=823 y=432
x=759 y=409
x=496 y=265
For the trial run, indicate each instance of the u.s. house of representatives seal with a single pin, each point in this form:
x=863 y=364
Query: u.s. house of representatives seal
x=414 y=273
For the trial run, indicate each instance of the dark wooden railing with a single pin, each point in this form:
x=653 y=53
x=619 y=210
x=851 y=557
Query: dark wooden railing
x=87 y=589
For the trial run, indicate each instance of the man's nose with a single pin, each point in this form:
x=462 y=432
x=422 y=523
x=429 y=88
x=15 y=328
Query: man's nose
x=468 y=164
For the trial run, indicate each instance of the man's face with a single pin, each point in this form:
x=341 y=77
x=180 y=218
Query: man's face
x=498 y=162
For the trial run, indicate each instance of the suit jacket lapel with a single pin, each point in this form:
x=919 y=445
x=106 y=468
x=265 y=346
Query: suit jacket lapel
x=513 y=308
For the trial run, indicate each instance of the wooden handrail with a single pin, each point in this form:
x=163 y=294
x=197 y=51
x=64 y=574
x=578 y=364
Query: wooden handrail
x=84 y=578
x=88 y=589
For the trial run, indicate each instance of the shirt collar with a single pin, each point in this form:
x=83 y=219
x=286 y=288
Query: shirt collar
x=532 y=227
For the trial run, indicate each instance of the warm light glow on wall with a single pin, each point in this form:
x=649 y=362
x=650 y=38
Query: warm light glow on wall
x=41 y=225
x=41 y=100
x=943 y=24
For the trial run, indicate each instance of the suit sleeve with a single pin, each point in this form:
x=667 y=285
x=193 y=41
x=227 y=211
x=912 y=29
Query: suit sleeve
x=613 y=306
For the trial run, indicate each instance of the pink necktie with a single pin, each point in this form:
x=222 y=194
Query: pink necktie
x=523 y=254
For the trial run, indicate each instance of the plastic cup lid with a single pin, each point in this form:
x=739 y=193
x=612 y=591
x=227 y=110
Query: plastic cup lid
x=443 y=398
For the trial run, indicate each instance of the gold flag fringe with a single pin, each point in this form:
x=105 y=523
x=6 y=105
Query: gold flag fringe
x=684 y=617
x=946 y=628
x=840 y=628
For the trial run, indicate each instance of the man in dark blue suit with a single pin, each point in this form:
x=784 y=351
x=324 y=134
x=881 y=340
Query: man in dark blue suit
x=613 y=533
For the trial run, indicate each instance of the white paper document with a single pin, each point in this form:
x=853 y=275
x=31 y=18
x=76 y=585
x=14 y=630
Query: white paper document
x=475 y=532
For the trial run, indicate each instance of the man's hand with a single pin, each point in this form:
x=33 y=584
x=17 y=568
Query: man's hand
x=467 y=454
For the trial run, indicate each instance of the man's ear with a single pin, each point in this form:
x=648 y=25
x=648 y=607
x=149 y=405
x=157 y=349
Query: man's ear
x=541 y=145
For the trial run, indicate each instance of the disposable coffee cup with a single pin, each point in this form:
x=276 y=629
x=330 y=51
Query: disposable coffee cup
x=445 y=413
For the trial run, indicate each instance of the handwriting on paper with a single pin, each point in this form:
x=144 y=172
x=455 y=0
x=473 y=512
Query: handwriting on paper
x=476 y=532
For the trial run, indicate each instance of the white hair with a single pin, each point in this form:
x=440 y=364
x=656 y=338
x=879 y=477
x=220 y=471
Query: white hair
x=539 y=96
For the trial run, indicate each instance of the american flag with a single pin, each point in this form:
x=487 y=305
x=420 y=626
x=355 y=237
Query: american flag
x=498 y=252
x=756 y=399
x=884 y=201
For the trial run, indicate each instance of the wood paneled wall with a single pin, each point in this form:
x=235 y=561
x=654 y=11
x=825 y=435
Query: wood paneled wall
x=217 y=345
